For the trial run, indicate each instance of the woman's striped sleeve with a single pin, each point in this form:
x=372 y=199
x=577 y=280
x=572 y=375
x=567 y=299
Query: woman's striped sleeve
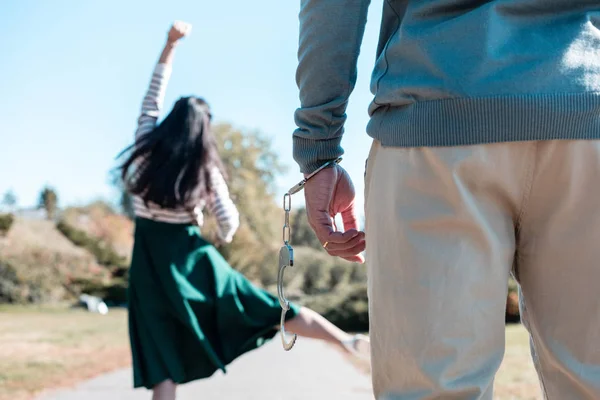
x=221 y=206
x=153 y=100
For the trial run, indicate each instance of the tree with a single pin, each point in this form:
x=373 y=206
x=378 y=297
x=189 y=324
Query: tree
x=302 y=233
x=251 y=166
x=49 y=201
x=9 y=199
x=125 y=202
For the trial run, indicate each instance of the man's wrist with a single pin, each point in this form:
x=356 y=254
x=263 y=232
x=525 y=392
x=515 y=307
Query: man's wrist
x=324 y=165
x=311 y=154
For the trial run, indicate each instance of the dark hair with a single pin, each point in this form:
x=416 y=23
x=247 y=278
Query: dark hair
x=172 y=163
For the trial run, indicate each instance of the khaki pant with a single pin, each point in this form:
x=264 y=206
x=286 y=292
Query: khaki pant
x=445 y=227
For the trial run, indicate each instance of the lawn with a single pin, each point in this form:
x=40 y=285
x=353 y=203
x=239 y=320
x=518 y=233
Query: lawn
x=51 y=347
x=43 y=348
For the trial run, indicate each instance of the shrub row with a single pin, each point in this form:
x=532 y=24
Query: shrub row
x=103 y=252
x=6 y=221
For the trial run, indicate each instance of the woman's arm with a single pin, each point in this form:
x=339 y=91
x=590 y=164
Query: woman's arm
x=222 y=208
x=178 y=31
x=153 y=100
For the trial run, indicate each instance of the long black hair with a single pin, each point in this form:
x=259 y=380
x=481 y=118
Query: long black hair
x=170 y=166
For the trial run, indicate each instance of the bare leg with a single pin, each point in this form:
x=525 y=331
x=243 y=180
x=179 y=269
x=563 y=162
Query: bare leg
x=310 y=324
x=164 y=391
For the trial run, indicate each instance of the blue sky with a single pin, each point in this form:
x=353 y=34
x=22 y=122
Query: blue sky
x=73 y=74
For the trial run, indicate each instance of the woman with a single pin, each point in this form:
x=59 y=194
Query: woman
x=190 y=313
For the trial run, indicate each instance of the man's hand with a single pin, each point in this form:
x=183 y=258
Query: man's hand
x=179 y=30
x=329 y=193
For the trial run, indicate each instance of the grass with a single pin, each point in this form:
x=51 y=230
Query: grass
x=44 y=348
x=52 y=347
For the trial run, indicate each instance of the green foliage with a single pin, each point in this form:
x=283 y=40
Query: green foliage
x=100 y=206
x=104 y=253
x=6 y=221
x=331 y=286
x=34 y=288
x=302 y=233
x=126 y=204
x=322 y=273
x=347 y=307
x=9 y=288
x=251 y=166
x=9 y=199
x=41 y=275
x=38 y=265
x=125 y=200
x=113 y=293
x=100 y=221
x=49 y=201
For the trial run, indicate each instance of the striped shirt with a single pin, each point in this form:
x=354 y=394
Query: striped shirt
x=219 y=204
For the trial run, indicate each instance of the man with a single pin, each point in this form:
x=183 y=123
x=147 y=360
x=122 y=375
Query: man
x=485 y=160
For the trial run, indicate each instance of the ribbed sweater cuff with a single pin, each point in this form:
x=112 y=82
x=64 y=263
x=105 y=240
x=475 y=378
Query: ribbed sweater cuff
x=311 y=154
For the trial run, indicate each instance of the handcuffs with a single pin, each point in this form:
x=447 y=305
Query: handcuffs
x=286 y=253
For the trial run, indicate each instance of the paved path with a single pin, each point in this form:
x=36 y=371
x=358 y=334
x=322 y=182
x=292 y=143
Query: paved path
x=312 y=370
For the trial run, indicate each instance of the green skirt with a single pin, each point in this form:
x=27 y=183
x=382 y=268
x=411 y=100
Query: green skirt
x=190 y=313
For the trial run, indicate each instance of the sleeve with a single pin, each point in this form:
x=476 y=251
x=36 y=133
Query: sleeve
x=222 y=207
x=331 y=33
x=153 y=100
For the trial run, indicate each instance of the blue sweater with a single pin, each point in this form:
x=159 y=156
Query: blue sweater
x=450 y=72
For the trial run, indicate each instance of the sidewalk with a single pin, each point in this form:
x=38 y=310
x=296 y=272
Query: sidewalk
x=311 y=370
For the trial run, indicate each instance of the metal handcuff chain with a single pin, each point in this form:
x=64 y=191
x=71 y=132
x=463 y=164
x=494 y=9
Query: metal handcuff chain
x=286 y=253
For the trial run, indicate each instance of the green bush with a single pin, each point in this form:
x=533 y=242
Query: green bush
x=49 y=201
x=302 y=233
x=331 y=286
x=338 y=275
x=347 y=307
x=9 y=284
x=40 y=275
x=113 y=293
x=322 y=273
x=103 y=252
x=6 y=221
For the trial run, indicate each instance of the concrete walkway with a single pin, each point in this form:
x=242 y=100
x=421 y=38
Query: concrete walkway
x=311 y=370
